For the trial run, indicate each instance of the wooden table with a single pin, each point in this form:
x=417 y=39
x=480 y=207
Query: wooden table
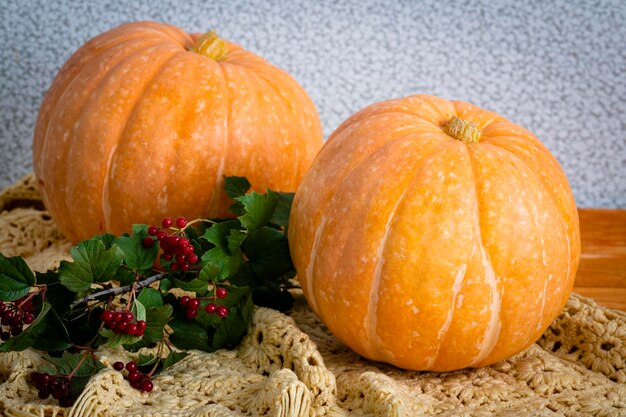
x=602 y=270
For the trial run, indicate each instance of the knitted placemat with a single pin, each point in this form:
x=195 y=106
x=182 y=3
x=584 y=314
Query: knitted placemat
x=290 y=365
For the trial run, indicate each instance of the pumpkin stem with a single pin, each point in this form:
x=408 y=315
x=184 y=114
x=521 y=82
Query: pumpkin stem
x=462 y=130
x=211 y=45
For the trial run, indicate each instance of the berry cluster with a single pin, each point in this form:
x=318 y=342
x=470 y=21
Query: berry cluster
x=13 y=317
x=137 y=379
x=176 y=247
x=193 y=304
x=56 y=385
x=121 y=322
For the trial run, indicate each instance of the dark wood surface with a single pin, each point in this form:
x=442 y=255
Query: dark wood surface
x=602 y=271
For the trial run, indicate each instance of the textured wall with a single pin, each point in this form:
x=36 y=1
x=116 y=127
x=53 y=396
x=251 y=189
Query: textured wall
x=557 y=68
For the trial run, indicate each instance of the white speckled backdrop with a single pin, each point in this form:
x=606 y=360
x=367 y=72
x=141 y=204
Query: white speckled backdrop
x=555 y=67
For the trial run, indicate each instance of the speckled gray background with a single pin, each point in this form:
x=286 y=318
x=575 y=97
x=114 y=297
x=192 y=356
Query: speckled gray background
x=555 y=67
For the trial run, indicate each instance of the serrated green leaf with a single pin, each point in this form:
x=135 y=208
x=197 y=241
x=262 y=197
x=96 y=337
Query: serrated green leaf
x=138 y=310
x=218 y=233
x=125 y=276
x=228 y=264
x=195 y=285
x=146 y=360
x=107 y=239
x=188 y=335
x=173 y=358
x=56 y=293
x=118 y=339
x=283 y=210
x=150 y=297
x=267 y=251
x=235 y=238
x=55 y=336
x=136 y=255
x=92 y=263
x=30 y=334
x=259 y=209
x=69 y=361
x=156 y=319
x=236 y=186
x=16 y=278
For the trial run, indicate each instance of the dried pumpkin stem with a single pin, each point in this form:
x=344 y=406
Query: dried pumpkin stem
x=211 y=45
x=462 y=130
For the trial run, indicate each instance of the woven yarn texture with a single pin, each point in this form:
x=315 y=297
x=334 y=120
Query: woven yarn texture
x=291 y=365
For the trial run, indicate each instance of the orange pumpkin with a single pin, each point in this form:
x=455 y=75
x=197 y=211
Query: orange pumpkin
x=144 y=121
x=434 y=235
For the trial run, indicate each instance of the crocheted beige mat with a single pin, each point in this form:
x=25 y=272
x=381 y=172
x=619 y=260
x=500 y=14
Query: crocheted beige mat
x=292 y=366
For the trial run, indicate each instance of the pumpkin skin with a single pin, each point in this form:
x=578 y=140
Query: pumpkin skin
x=136 y=126
x=428 y=252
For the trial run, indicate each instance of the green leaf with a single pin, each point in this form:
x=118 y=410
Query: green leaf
x=210 y=272
x=136 y=255
x=114 y=339
x=228 y=264
x=218 y=233
x=283 y=209
x=195 y=285
x=16 y=278
x=188 y=335
x=150 y=297
x=259 y=209
x=30 y=334
x=138 y=310
x=236 y=186
x=235 y=238
x=107 y=239
x=56 y=294
x=156 y=319
x=267 y=250
x=233 y=327
x=69 y=361
x=92 y=263
x=146 y=360
x=173 y=358
x=54 y=337
x=125 y=276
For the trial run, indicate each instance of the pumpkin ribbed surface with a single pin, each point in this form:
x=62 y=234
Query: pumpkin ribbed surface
x=432 y=252
x=138 y=125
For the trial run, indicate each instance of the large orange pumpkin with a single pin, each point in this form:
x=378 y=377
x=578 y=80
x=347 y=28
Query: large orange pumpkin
x=434 y=235
x=144 y=121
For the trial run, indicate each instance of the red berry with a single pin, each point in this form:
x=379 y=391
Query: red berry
x=174 y=267
x=136 y=384
x=189 y=249
x=131 y=366
x=117 y=317
x=122 y=327
x=106 y=316
x=167 y=222
x=221 y=292
x=184 y=266
x=168 y=256
x=181 y=222
x=210 y=308
x=181 y=259
x=194 y=303
x=148 y=242
x=152 y=230
x=28 y=318
x=139 y=332
x=16 y=329
x=183 y=242
x=118 y=366
x=191 y=313
x=222 y=311
x=134 y=375
x=161 y=235
x=127 y=317
x=29 y=307
x=66 y=401
x=141 y=325
x=184 y=300
x=146 y=385
x=172 y=241
x=132 y=329
x=192 y=258
x=112 y=325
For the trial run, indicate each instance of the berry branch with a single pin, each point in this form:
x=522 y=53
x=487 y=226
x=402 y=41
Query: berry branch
x=223 y=266
x=119 y=290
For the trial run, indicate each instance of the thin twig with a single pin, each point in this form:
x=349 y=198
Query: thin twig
x=119 y=290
